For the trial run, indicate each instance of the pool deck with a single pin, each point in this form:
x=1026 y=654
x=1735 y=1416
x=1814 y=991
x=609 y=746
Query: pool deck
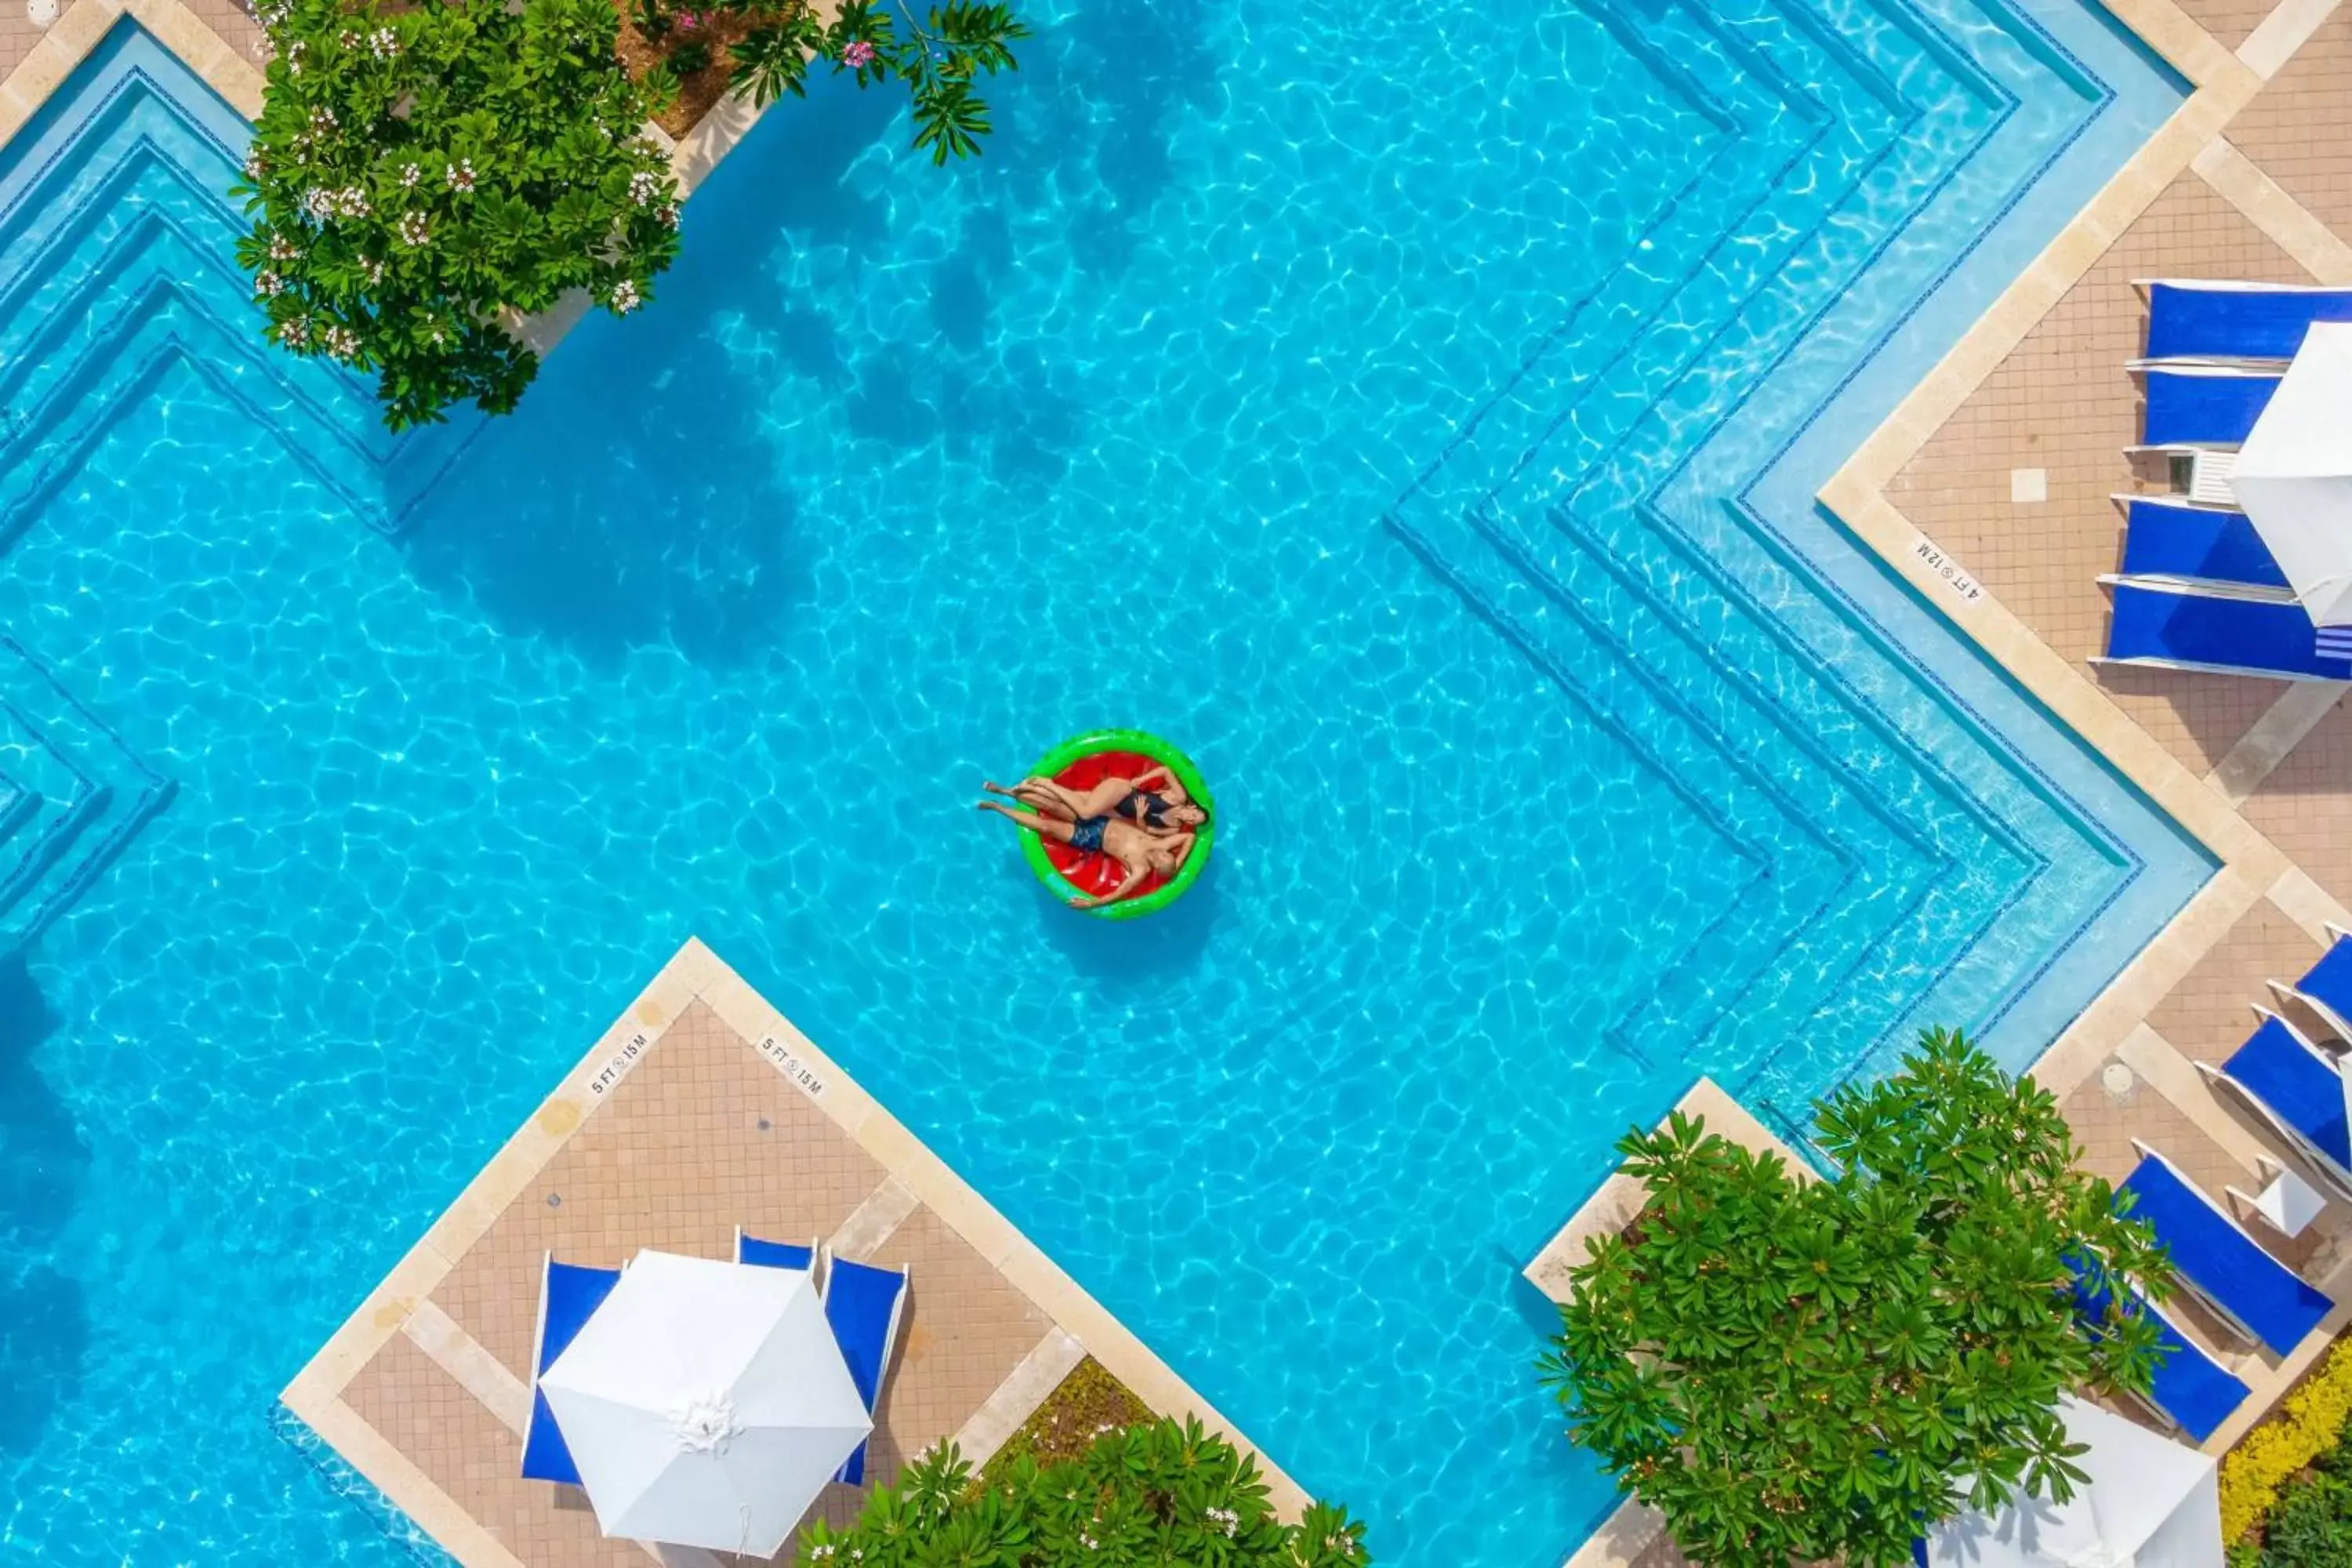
x=1987 y=488
x=699 y=1109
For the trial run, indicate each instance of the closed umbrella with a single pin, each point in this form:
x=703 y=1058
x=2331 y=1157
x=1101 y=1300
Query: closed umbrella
x=706 y=1403
x=2294 y=474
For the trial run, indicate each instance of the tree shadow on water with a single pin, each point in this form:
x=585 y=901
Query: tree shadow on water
x=633 y=498
x=43 y=1321
x=1100 y=100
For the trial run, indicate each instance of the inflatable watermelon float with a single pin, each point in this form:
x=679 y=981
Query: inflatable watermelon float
x=1086 y=762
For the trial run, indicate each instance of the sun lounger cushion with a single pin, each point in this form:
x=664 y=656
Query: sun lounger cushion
x=2225 y=1264
x=2191 y=320
x=2328 y=984
x=2192 y=1387
x=2301 y=1089
x=2164 y=538
x=2157 y=625
x=773 y=1254
x=2213 y=409
x=862 y=1303
x=567 y=1297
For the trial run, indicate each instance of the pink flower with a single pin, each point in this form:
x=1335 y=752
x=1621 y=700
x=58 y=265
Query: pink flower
x=857 y=55
x=688 y=21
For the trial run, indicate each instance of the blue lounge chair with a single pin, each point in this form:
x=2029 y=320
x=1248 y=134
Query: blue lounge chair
x=2298 y=1091
x=2191 y=1390
x=2327 y=986
x=2257 y=1296
x=2190 y=320
x=2173 y=627
x=2205 y=406
x=774 y=1254
x=568 y=1294
x=2167 y=539
x=863 y=1304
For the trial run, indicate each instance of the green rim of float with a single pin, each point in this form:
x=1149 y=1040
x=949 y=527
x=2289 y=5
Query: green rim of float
x=1137 y=740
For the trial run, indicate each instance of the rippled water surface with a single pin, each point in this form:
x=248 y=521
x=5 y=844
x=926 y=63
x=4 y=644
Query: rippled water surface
x=1549 y=779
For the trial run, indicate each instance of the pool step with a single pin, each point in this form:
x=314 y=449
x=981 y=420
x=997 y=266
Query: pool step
x=1801 y=870
x=97 y=245
x=62 y=408
x=1898 y=863
x=1768 y=135
x=99 y=795
x=1779 y=697
x=1931 y=126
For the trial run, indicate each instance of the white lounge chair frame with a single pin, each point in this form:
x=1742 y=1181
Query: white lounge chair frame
x=2336 y=1022
x=2212 y=1303
x=2336 y=1177
x=817 y=1261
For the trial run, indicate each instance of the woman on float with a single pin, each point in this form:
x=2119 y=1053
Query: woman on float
x=1140 y=850
x=1164 y=811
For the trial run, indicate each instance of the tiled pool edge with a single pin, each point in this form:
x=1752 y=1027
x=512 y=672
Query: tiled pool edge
x=316 y=1395
x=2224 y=82
x=74 y=35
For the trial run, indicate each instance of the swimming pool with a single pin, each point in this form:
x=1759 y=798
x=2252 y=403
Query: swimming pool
x=1415 y=414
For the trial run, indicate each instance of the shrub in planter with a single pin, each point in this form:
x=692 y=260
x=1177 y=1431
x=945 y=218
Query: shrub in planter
x=1793 y=1370
x=1152 y=1494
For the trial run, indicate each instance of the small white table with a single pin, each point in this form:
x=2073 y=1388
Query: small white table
x=2289 y=1202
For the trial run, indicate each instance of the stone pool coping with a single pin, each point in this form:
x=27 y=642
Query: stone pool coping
x=402 y=1303
x=2254 y=875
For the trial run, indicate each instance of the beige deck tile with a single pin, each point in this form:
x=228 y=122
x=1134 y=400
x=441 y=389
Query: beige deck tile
x=2241 y=183
x=966 y=1331
x=2228 y=20
x=2062 y=401
x=2298 y=128
x=2282 y=33
x=470 y=1455
x=2290 y=719
x=2210 y=1011
x=2304 y=806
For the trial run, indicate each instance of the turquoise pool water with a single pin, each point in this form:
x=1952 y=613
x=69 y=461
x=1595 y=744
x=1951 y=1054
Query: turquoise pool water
x=1413 y=411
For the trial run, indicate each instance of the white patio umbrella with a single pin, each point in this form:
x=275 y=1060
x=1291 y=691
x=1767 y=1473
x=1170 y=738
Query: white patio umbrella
x=2294 y=474
x=706 y=1403
x=2151 y=1503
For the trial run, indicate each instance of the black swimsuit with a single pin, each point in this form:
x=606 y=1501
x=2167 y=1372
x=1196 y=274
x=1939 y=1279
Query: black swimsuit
x=1154 y=813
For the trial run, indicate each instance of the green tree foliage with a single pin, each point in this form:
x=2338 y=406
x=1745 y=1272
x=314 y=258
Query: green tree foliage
x=1796 y=1370
x=427 y=173
x=423 y=175
x=1142 y=1497
x=940 y=60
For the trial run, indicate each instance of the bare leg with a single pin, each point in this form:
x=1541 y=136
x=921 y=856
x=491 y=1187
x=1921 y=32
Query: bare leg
x=1052 y=827
x=1044 y=798
x=1097 y=801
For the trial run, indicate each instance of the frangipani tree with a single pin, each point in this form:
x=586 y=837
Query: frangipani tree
x=1793 y=1370
x=427 y=173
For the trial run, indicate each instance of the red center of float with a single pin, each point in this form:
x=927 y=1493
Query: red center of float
x=1096 y=875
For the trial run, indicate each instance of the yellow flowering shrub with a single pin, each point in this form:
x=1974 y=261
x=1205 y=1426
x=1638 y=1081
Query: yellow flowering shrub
x=2305 y=1426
